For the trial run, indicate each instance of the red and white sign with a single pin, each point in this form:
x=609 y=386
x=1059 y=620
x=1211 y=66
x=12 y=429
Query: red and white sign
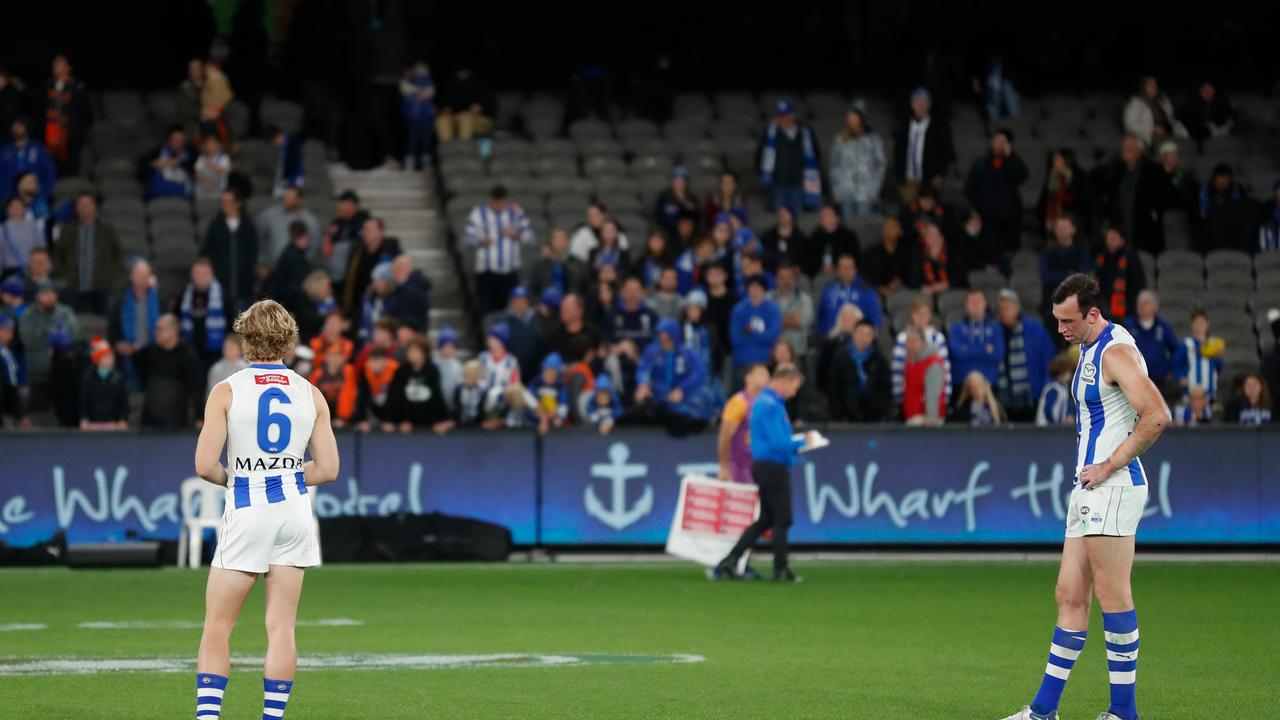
x=271 y=379
x=710 y=517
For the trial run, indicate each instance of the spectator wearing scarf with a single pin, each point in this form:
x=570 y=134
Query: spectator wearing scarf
x=1024 y=368
x=859 y=384
x=133 y=317
x=789 y=161
x=1119 y=272
x=201 y=312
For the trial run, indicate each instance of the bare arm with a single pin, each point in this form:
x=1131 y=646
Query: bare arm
x=213 y=435
x=323 y=467
x=1153 y=414
x=727 y=429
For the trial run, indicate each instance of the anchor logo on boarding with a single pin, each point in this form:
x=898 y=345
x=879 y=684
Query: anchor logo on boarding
x=618 y=471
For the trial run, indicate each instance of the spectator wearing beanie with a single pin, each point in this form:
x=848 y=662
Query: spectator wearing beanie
x=501 y=368
x=522 y=339
x=789 y=161
x=446 y=360
x=603 y=407
x=104 y=402
x=698 y=335
x=551 y=394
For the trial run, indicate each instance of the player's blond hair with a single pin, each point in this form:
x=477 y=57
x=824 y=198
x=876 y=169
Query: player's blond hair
x=267 y=331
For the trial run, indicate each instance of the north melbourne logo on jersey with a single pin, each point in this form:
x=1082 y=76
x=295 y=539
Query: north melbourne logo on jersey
x=1088 y=373
x=268 y=463
x=271 y=379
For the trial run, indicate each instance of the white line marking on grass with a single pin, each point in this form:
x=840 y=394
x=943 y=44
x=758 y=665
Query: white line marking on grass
x=196 y=624
x=390 y=661
x=19 y=627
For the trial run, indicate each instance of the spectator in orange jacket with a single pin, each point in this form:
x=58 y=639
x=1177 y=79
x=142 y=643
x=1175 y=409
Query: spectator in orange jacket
x=374 y=381
x=331 y=336
x=336 y=380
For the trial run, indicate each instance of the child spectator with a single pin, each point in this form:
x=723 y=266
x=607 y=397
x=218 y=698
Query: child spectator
x=373 y=383
x=447 y=363
x=1194 y=410
x=468 y=399
x=230 y=363
x=551 y=394
x=331 y=336
x=1199 y=358
x=603 y=408
x=500 y=367
x=415 y=399
x=976 y=404
x=514 y=407
x=104 y=401
x=1056 y=406
x=701 y=337
x=336 y=380
x=1252 y=404
x=580 y=378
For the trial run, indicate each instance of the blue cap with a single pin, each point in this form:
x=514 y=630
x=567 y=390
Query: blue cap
x=6 y=320
x=604 y=383
x=759 y=279
x=446 y=336
x=680 y=171
x=552 y=297
x=553 y=361
x=785 y=107
x=696 y=297
x=13 y=285
x=382 y=271
x=723 y=218
x=501 y=331
x=518 y=292
x=670 y=327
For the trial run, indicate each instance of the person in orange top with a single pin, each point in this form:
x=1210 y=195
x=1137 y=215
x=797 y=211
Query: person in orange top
x=733 y=446
x=374 y=381
x=336 y=380
x=331 y=336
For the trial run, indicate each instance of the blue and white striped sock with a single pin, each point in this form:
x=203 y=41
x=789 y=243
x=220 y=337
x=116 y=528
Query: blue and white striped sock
x=209 y=690
x=1121 y=631
x=275 y=695
x=1063 y=651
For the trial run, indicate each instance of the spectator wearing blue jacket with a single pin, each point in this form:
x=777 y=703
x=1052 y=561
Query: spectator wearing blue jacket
x=754 y=326
x=977 y=342
x=1024 y=368
x=24 y=155
x=847 y=289
x=631 y=318
x=773 y=454
x=1156 y=339
x=673 y=376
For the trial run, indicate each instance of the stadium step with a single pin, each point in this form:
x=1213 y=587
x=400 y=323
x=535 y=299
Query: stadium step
x=406 y=203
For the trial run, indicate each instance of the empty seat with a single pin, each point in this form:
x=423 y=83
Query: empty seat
x=637 y=128
x=169 y=206
x=1180 y=259
x=604 y=165
x=589 y=128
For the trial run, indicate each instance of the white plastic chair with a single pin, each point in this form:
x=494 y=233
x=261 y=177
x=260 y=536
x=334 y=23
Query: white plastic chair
x=197 y=517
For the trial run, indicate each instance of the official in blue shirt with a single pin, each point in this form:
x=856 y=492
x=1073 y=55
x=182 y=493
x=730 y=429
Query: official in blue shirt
x=773 y=453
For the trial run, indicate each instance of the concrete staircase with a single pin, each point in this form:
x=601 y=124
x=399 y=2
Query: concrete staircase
x=406 y=202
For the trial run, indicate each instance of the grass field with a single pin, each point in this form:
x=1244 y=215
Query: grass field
x=856 y=640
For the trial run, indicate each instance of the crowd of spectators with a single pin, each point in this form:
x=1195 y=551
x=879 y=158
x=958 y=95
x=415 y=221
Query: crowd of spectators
x=707 y=290
x=605 y=325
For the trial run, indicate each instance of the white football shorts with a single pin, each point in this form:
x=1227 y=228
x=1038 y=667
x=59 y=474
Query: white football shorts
x=1113 y=510
x=254 y=538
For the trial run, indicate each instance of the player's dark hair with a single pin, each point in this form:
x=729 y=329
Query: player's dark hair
x=1083 y=287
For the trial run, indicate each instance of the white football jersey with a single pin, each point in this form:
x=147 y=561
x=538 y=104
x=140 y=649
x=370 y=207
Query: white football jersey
x=268 y=430
x=1105 y=417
